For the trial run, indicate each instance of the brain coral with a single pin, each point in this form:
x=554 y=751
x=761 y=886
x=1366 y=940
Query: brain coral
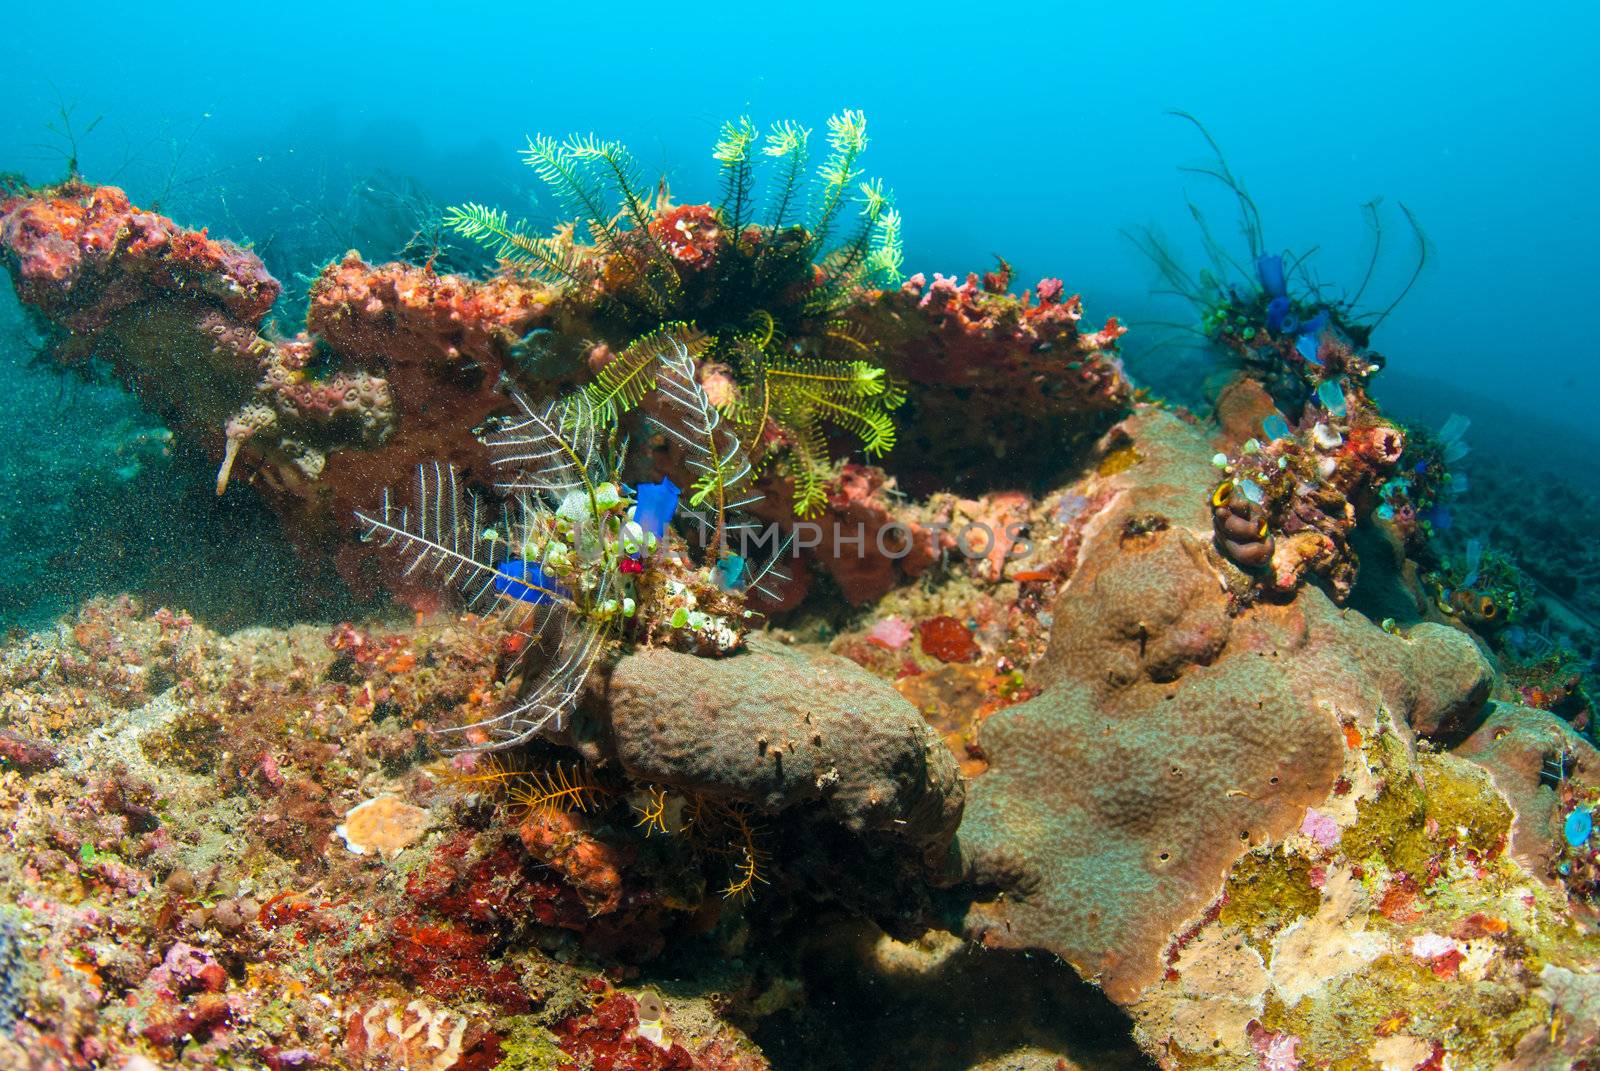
x=1171 y=737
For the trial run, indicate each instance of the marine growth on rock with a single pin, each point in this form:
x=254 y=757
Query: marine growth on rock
x=752 y=657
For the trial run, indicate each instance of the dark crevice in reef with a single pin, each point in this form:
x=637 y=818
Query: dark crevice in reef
x=939 y=1005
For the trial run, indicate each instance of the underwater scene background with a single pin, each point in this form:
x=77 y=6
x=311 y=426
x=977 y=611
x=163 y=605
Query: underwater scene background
x=849 y=538
x=1044 y=148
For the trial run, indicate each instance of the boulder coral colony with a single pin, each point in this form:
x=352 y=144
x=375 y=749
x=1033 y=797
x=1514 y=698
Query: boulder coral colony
x=1211 y=707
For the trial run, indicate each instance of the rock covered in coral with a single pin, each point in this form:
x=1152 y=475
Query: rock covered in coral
x=1536 y=760
x=443 y=343
x=311 y=419
x=1391 y=929
x=993 y=377
x=399 y=364
x=1221 y=813
x=179 y=316
x=1241 y=817
x=177 y=892
x=85 y=256
x=782 y=729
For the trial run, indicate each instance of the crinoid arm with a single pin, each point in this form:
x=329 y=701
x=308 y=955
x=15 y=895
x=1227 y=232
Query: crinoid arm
x=600 y=185
x=552 y=258
x=767 y=578
x=559 y=788
x=853 y=395
x=722 y=469
x=788 y=143
x=552 y=691
x=630 y=376
x=732 y=153
x=550 y=450
x=847 y=137
x=446 y=533
x=873 y=253
x=725 y=475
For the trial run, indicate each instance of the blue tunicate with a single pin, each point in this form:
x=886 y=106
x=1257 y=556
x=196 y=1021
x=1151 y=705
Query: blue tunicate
x=1269 y=268
x=1579 y=825
x=1437 y=516
x=1307 y=348
x=1452 y=448
x=1277 y=312
x=730 y=572
x=525 y=581
x=1275 y=427
x=1331 y=395
x=654 y=504
x=1251 y=491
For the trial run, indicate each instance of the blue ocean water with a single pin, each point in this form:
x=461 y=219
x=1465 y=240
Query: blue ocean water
x=1038 y=134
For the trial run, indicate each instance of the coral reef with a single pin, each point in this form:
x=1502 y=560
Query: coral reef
x=1396 y=935
x=1143 y=638
x=1280 y=770
x=1217 y=812
x=196 y=903
x=1286 y=507
x=1235 y=818
x=398 y=363
x=767 y=294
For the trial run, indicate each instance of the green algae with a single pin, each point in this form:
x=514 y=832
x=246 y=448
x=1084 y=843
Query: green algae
x=1462 y=799
x=1266 y=891
x=1394 y=826
x=529 y=1046
x=1481 y=1021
